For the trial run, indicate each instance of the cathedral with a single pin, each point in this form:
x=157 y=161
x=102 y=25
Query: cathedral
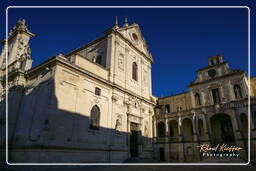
x=95 y=104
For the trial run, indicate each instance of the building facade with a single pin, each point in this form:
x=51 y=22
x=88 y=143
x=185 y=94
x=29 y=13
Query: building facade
x=93 y=104
x=213 y=111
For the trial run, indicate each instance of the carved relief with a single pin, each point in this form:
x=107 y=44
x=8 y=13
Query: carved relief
x=134 y=118
x=114 y=98
x=121 y=62
x=96 y=100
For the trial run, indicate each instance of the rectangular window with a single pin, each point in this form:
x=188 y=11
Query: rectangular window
x=167 y=108
x=97 y=91
x=216 y=95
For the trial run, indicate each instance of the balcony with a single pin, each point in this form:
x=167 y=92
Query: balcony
x=188 y=138
x=203 y=138
x=161 y=139
x=173 y=139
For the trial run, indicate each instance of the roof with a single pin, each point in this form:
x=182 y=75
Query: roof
x=173 y=95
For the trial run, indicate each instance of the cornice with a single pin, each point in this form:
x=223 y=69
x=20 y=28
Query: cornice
x=87 y=45
x=62 y=62
x=214 y=79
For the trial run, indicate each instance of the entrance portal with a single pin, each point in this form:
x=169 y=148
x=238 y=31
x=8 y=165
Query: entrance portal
x=161 y=153
x=134 y=139
x=222 y=130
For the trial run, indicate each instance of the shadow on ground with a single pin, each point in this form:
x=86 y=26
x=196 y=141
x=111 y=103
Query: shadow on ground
x=127 y=168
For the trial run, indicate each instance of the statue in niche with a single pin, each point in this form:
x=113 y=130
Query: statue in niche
x=118 y=126
x=21 y=24
x=146 y=132
x=27 y=51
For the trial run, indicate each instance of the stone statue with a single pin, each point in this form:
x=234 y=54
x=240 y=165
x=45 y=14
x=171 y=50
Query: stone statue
x=27 y=51
x=118 y=125
x=146 y=129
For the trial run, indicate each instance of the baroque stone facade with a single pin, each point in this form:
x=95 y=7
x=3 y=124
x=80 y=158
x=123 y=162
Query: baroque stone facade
x=213 y=111
x=93 y=104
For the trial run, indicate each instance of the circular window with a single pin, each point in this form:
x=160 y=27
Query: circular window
x=212 y=73
x=134 y=36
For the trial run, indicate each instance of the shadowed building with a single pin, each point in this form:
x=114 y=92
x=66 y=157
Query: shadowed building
x=214 y=111
x=93 y=104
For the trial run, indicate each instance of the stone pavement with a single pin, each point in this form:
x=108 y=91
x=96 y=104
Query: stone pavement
x=129 y=168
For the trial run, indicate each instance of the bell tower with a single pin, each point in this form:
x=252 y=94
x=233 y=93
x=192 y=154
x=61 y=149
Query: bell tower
x=19 y=52
x=215 y=59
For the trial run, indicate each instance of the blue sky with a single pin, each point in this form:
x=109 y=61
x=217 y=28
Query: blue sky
x=180 y=40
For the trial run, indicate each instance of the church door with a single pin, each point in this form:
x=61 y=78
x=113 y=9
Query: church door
x=161 y=153
x=226 y=131
x=134 y=140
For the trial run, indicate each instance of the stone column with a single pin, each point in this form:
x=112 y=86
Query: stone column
x=202 y=98
x=222 y=95
x=245 y=88
x=128 y=136
x=167 y=128
x=180 y=129
x=231 y=91
x=238 y=134
x=195 y=133
x=192 y=99
x=167 y=149
x=181 y=144
x=154 y=128
x=207 y=127
x=252 y=120
x=235 y=124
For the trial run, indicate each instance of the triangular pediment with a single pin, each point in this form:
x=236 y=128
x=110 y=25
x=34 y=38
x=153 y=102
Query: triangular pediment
x=133 y=34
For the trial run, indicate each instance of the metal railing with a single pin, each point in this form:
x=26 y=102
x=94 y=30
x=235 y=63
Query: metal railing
x=188 y=138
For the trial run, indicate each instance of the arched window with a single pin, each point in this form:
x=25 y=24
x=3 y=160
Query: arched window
x=135 y=71
x=187 y=127
x=237 y=91
x=216 y=96
x=221 y=128
x=173 y=125
x=97 y=91
x=98 y=59
x=197 y=99
x=95 y=117
x=161 y=129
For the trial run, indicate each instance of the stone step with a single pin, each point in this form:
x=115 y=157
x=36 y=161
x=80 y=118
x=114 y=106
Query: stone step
x=139 y=160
